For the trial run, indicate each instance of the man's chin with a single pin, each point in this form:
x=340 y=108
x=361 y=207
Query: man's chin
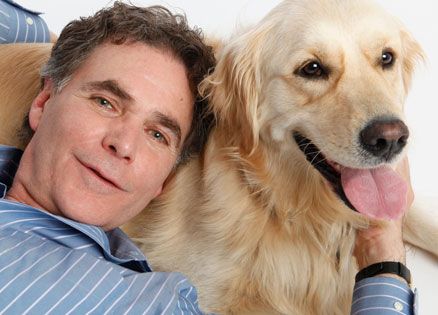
x=84 y=209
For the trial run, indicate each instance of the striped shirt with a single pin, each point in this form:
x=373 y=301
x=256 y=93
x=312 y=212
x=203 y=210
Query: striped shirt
x=383 y=296
x=52 y=265
x=18 y=24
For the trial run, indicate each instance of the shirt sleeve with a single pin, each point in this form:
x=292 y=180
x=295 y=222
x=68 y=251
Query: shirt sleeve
x=383 y=296
x=21 y=25
x=40 y=276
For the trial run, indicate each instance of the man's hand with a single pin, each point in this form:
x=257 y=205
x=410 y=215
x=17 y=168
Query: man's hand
x=384 y=242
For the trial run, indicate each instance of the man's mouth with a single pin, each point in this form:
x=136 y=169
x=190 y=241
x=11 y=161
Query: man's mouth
x=101 y=176
x=327 y=169
x=378 y=193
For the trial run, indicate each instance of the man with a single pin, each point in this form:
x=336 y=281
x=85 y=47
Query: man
x=111 y=122
x=114 y=117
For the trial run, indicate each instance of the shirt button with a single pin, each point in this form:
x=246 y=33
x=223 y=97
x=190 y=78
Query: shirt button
x=398 y=306
x=29 y=20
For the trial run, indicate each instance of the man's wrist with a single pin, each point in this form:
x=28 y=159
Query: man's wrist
x=373 y=253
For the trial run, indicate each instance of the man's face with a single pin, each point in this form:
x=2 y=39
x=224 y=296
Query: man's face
x=104 y=145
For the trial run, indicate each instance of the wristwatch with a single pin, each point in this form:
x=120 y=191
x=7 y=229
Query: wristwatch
x=392 y=267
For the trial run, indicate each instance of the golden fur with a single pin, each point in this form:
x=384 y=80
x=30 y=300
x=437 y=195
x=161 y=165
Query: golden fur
x=249 y=221
x=253 y=225
x=20 y=83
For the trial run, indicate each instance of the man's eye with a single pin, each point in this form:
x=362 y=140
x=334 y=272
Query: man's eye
x=158 y=136
x=104 y=103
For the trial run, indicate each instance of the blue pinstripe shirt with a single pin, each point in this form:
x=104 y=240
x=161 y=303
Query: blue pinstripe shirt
x=18 y=24
x=52 y=265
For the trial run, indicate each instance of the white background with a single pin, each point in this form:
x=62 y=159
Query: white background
x=222 y=17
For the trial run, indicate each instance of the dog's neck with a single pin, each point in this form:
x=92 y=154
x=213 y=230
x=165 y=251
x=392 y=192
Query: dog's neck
x=282 y=200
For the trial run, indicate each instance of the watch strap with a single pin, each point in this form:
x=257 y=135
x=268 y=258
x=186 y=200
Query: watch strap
x=391 y=267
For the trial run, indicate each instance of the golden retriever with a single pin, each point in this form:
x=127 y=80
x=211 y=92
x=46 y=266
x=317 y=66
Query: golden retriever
x=252 y=222
x=259 y=221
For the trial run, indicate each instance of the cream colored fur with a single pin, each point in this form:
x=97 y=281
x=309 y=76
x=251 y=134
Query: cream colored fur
x=252 y=224
x=19 y=85
x=249 y=221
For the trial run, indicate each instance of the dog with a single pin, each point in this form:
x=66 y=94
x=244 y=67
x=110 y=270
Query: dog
x=260 y=221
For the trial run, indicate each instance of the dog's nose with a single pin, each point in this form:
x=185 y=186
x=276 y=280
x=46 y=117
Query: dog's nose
x=384 y=138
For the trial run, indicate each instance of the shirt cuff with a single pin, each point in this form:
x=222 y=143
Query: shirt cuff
x=383 y=296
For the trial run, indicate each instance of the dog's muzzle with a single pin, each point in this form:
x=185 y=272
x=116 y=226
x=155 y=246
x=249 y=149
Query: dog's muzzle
x=319 y=162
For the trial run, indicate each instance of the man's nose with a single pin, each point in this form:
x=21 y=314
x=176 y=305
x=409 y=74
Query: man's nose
x=122 y=142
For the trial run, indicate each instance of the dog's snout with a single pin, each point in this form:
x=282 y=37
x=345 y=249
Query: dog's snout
x=384 y=138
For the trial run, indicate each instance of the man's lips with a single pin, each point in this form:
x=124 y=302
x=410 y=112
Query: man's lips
x=102 y=175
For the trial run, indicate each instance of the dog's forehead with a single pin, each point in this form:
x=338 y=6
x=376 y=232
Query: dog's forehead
x=312 y=19
x=318 y=8
x=330 y=27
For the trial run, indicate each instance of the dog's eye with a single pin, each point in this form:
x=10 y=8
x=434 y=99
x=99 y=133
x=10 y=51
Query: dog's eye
x=313 y=70
x=387 y=59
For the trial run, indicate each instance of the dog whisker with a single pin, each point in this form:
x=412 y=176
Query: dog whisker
x=310 y=165
x=321 y=161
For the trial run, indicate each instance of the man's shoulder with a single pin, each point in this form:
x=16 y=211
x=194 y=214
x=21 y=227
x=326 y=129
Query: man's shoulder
x=20 y=24
x=42 y=277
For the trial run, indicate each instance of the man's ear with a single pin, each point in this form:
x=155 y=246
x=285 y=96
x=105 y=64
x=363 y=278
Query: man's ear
x=38 y=104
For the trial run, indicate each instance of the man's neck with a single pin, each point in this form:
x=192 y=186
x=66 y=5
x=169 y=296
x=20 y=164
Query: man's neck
x=19 y=193
x=19 y=189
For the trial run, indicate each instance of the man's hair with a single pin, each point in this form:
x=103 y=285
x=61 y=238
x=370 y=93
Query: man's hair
x=155 y=26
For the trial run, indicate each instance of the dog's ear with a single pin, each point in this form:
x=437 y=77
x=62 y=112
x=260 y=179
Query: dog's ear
x=234 y=88
x=412 y=55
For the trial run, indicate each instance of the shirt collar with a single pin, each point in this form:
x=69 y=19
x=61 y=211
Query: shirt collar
x=116 y=245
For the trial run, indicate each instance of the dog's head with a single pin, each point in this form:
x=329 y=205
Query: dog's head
x=328 y=75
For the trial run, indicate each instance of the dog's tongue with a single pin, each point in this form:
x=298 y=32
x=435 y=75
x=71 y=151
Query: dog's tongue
x=378 y=193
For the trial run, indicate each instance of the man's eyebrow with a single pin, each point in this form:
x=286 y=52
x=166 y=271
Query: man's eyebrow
x=110 y=86
x=170 y=124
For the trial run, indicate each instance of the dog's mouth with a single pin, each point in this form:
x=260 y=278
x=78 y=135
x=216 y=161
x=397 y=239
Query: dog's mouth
x=321 y=164
x=379 y=192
